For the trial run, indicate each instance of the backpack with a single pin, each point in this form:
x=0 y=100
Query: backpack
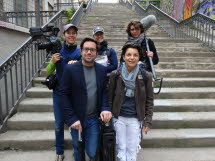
x=107 y=142
x=50 y=81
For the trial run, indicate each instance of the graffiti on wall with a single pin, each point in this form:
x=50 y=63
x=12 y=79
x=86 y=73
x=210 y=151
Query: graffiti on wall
x=167 y=6
x=177 y=12
x=188 y=8
x=207 y=8
x=183 y=9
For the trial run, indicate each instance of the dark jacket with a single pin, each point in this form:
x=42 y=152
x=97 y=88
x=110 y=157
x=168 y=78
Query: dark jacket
x=112 y=56
x=144 y=96
x=67 y=53
x=74 y=92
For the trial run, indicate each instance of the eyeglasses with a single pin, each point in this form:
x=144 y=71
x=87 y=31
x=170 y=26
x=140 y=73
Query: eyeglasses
x=92 y=50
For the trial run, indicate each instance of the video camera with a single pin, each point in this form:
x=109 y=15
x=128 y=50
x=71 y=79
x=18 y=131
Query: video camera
x=52 y=43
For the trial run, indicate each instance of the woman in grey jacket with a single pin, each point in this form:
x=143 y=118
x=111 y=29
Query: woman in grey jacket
x=131 y=99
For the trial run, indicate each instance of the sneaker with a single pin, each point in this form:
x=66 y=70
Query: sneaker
x=59 y=157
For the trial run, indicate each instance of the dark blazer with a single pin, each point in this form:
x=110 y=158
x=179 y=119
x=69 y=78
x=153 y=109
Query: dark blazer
x=74 y=92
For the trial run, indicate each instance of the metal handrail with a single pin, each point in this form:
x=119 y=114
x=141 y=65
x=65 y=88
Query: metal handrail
x=198 y=27
x=28 y=19
x=22 y=66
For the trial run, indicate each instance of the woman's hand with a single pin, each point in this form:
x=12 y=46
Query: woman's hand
x=146 y=129
x=72 y=61
x=149 y=53
x=55 y=58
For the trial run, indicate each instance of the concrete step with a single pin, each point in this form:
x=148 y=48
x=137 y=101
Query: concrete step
x=161 y=120
x=161 y=105
x=39 y=92
x=188 y=82
x=189 y=54
x=183 y=49
x=31 y=139
x=113 y=27
x=159 y=43
x=37 y=82
x=117 y=42
x=185 y=65
x=170 y=120
x=167 y=82
x=172 y=50
x=186 y=60
x=184 y=105
x=32 y=121
x=166 y=93
x=179 y=138
x=112 y=34
x=174 y=58
x=171 y=73
x=44 y=140
x=36 y=105
x=145 y=154
x=186 y=93
x=176 y=73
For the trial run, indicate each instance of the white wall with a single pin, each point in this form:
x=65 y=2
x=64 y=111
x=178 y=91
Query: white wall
x=108 y=1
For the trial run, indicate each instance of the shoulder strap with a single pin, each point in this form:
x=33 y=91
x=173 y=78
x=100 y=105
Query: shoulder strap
x=143 y=73
x=107 y=51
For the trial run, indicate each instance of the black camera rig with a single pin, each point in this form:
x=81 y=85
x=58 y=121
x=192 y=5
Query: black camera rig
x=51 y=42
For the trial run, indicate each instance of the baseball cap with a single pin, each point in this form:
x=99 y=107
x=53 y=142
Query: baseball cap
x=98 y=29
x=67 y=26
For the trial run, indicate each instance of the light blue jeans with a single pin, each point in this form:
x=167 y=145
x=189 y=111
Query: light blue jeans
x=90 y=137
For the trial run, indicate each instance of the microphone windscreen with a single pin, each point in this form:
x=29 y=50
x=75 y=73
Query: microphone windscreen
x=148 y=21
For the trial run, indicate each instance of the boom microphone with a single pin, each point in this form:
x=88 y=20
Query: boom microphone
x=148 y=21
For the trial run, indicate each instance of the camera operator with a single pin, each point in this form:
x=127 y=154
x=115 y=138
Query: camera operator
x=69 y=53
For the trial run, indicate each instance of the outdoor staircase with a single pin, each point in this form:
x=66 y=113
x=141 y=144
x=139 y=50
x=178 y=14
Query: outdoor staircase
x=184 y=112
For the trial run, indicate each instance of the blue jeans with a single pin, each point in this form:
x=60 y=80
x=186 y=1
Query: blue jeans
x=59 y=124
x=90 y=137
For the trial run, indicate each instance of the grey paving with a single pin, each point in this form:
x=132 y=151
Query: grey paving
x=145 y=154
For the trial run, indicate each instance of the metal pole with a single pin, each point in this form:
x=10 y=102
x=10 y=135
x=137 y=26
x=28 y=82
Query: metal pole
x=38 y=22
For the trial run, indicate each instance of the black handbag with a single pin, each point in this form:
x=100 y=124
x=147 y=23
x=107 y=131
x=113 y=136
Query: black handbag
x=107 y=143
x=50 y=81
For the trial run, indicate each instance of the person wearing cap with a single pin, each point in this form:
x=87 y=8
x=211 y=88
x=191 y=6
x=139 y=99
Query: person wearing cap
x=106 y=55
x=68 y=52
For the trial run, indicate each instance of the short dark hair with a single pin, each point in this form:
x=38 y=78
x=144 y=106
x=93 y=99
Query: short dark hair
x=131 y=45
x=88 y=39
x=136 y=24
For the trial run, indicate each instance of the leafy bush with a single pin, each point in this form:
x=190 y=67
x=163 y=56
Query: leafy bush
x=69 y=13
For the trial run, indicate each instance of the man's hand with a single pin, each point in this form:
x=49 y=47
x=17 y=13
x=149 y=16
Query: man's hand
x=106 y=116
x=146 y=129
x=77 y=125
x=55 y=57
x=149 y=53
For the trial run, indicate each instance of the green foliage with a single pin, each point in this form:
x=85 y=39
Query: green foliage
x=69 y=13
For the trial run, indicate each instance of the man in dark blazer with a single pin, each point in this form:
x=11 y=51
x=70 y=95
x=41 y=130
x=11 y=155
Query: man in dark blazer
x=84 y=98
